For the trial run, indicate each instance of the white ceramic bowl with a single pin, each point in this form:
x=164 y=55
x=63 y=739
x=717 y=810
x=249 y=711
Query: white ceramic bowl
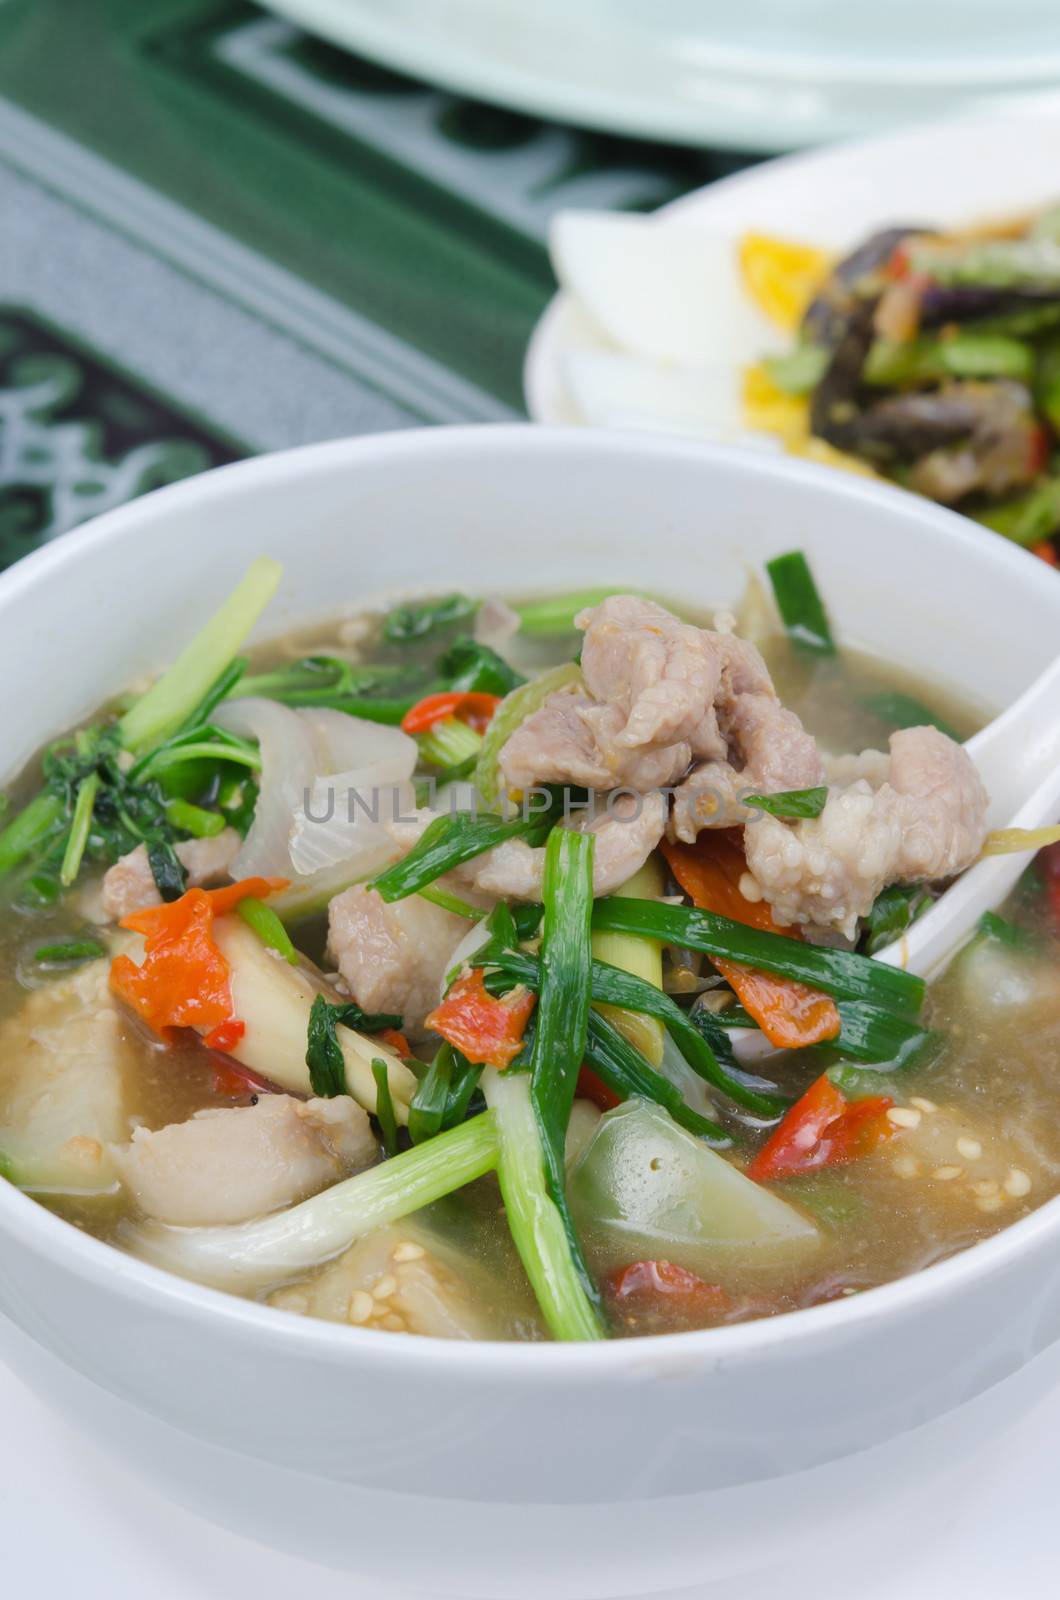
x=274 y=1421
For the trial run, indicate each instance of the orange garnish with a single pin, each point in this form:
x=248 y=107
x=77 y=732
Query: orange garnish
x=182 y=981
x=487 y=1030
x=789 y=1013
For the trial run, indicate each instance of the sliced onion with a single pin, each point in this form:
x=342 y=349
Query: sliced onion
x=288 y=768
x=327 y=756
x=363 y=784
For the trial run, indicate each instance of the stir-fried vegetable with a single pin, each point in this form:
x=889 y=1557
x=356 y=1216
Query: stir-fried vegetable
x=268 y=927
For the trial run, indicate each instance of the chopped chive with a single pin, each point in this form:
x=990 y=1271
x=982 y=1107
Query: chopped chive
x=562 y=1014
x=249 y=1255
x=427 y=1106
x=799 y=603
x=621 y=1066
x=73 y=950
x=450 y=902
x=557 y=613
x=838 y=972
x=384 y=1107
x=79 y=830
x=196 y=820
x=448 y=842
x=791 y=802
x=536 y=1225
x=262 y=919
x=612 y=986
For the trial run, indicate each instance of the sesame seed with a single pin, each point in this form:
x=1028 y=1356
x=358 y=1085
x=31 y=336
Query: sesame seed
x=985 y=1189
x=360 y=1307
x=926 y=1106
x=970 y=1149
x=407 y=1250
x=1017 y=1183
x=989 y=1202
x=906 y=1166
x=385 y=1287
x=904 y=1117
x=945 y=1174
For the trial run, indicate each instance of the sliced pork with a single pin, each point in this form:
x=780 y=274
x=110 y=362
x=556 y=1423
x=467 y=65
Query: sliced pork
x=233 y=1163
x=129 y=885
x=925 y=820
x=392 y=955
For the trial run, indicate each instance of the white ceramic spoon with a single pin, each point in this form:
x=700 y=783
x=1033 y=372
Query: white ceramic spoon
x=1018 y=759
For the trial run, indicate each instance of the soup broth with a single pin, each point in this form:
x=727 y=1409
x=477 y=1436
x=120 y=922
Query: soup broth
x=972 y=1141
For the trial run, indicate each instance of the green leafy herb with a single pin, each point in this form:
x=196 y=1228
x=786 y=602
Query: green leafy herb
x=171 y=700
x=791 y=802
x=800 y=605
x=262 y=919
x=416 y=620
x=80 y=823
x=894 y=911
x=323 y=1057
x=170 y=878
x=476 y=668
x=384 y=1107
x=611 y=986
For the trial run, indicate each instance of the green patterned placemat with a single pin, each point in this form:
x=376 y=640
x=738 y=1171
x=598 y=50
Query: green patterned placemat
x=222 y=236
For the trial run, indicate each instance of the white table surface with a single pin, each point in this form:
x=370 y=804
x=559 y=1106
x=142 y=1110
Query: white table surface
x=73 y=1521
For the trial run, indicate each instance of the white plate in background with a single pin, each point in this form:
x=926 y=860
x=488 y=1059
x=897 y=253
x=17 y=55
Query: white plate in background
x=757 y=75
x=991 y=164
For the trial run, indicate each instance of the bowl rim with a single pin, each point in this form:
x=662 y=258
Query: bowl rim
x=529 y=1363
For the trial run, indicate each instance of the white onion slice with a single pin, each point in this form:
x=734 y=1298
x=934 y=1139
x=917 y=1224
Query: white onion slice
x=288 y=767
x=325 y=755
x=363 y=784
